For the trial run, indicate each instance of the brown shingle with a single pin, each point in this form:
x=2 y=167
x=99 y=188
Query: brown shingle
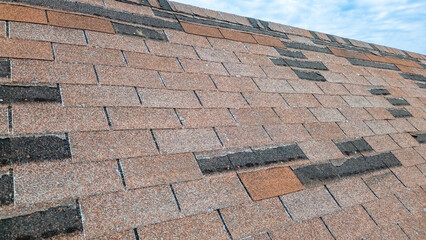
x=187 y=140
x=204 y=226
x=116 y=41
x=142 y=118
x=91 y=55
x=22 y=14
x=13 y=48
x=270 y=183
x=254 y=217
x=93 y=95
x=54 y=118
x=210 y=193
x=114 y=212
x=187 y=81
x=39 y=32
x=350 y=223
x=93 y=146
x=147 y=61
x=54 y=181
x=243 y=136
x=214 y=99
x=201 y=30
x=157 y=170
x=78 y=21
x=206 y=117
x=159 y=98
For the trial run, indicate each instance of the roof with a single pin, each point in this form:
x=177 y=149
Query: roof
x=146 y=119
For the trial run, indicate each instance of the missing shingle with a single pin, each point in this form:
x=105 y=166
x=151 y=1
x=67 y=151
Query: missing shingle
x=288 y=53
x=120 y=170
x=379 y=91
x=307 y=47
x=5 y=69
x=214 y=164
x=8 y=28
x=139 y=32
x=366 y=63
x=399 y=113
x=62 y=220
x=314 y=34
x=415 y=77
x=421 y=138
x=22 y=94
x=313 y=76
x=354 y=146
x=6 y=188
x=21 y=150
x=398 y=101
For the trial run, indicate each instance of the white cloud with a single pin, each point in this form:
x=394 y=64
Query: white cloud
x=396 y=23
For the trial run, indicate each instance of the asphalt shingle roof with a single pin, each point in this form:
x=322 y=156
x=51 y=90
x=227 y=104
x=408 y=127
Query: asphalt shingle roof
x=149 y=119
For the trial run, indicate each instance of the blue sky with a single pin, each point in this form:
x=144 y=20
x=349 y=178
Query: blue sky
x=395 y=23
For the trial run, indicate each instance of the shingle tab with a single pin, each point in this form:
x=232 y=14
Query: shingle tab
x=44 y=224
x=17 y=94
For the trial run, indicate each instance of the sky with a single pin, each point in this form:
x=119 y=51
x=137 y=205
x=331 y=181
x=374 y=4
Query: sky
x=395 y=23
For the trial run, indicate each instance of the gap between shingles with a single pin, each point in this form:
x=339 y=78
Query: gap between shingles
x=286 y=209
x=224 y=224
x=176 y=199
x=120 y=170
x=326 y=226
